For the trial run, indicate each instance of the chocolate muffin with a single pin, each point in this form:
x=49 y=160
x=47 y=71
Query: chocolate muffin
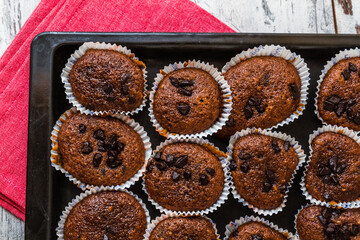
x=321 y=223
x=184 y=176
x=333 y=173
x=265 y=91
x=338 y=99
x=256 y=231
x=262 y=167
x=107 y=80
x=99 y=150
x=114 y=214
x=174 y=228
x=187 y=101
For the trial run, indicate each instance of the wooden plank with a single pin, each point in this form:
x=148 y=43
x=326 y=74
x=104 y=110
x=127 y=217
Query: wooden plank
x=347 y=15
x=11 y=228
x=284 y=16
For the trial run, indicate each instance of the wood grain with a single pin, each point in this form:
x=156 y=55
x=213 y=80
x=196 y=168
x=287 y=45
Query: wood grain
x=347 y=15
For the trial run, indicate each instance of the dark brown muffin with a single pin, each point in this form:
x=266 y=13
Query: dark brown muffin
x=187 y=101
x=339 y=99
x=333 y=173
x=262 y=167
x=256 y=231
x=184 y=177
x=265 y=91
x=321 y=223
x=104 y=80
x=118 y=215
x=100 y=151
x=175 y=228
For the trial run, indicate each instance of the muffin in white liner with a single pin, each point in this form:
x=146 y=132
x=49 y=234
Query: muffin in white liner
x=344 y=54
x=79 y=53
x=225 y=91
x=298 y=149
x=226 y=189
x=335 y=129
x=291 y=57
x=157 y=220
x=55 y=154
x=233 y=225
x=78 y=198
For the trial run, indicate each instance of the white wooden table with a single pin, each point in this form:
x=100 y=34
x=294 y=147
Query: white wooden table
x=280 y=16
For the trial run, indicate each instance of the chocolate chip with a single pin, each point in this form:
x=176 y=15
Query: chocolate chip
x=181 y=161
x=107 y=88
x=322 y=171
x=113 y=141
x=184 y=92
x=244 y=167
x=186 y=83
x=210 y=171
x=294 y=90
x=283 y=189
x=113 y=153
x=90 y=107
x=113 y=162
x=187 y=175
x=329 y=106
x=340 y=108
x=86 y=148
x=334 y=179
x=82 y=128
x=110 y=99
x=352 y=67
x=204 y=179
x=244 y=156
x=248 y=112
x=170 y=159
x=275 y=146
x=157 y=156
x=351 y=103
x=99 y=134
x=334 y=99
x=260 y=108
x=327 y=196
x=355 y=230
x=161 y=165
x=175 y=177
x=131 y=100
x=326 y=179
x=97 y=159
x=333 y=163
x=326 y=213
x=286 y=146
x=266 y=79
x=233 y=165
x=357 y=118
x=256 y=237
x=346 y=74
x=267 y=187
x=174 y=81
x=183 y=108
x=330 y=228
x=125 y=77
x=340 y=169
x=349 y=114
x=252 y=101
x=322 y=220
x=230 y=122
x=101 y=146
x=150 y=167
x=270 y=175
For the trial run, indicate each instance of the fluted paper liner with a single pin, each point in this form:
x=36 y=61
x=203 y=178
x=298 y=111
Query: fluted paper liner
x=224 y=195
x=336 y=129
x=157 y=220
x=79 y=53
x=291 y=57
x=298 y=149
x=226 y=98
x=79 y=198
x=55 y=154
x=233 y=225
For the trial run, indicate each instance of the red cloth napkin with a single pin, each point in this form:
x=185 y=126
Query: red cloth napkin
x=73 y=15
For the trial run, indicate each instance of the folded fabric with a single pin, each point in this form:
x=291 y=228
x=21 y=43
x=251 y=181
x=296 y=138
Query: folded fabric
x=73 y=15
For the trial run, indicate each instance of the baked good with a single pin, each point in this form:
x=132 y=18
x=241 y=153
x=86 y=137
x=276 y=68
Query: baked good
x=262 y=167
x=265 y=91
x=114 y=214
x=333 y=172
x=321 y=223
x=99 y=150
x=187 y=101
x=184 y=176
x=338 y=99
x=256 y=231
x=175 y=228
x=107 y=80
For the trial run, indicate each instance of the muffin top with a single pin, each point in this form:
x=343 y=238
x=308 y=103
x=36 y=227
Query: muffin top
x=321 y=223
x=256 y=231
x=338 y=98
x=262 y=167
x=265 y=91
x=184 y=177
x=333 y=172
x=187 y=101
x=100 y=150
x=175 y=228
x=116 y=214
x=104 y=80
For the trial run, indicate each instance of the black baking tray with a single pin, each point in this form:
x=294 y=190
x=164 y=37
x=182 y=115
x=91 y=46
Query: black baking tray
x=49 y=191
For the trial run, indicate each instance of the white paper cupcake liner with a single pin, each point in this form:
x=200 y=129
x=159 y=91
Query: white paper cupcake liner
x=78 y=198
x=345 y=54
x=226 y=190
x=157 y=220
x=232 y=226
x=79 y=53
x=291 y=57
x=300 y=154
x=225 y=90
x=55 y=154
x=328 y=128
